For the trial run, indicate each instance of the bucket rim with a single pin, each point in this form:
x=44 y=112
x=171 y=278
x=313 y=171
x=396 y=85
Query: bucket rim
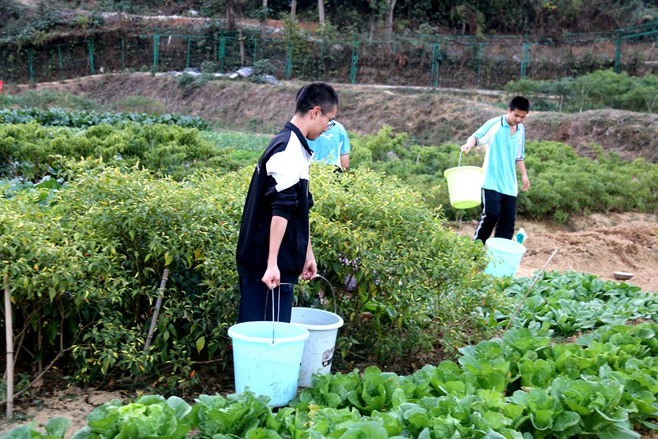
x=513 y=246
x=234 y=333
x=462 y=168
x=338 y=324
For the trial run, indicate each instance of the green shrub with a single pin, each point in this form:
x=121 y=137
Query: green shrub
x=31 y=151
x=92 y=261
x=599 y=89
x=209 y=67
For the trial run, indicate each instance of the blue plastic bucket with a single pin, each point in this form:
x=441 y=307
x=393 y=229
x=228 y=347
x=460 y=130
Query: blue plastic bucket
x=267 y=357
x=319 y=348
x=464 y=186
x=506 y=256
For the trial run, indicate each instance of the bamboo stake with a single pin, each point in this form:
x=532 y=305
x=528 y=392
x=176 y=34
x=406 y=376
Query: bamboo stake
x=10 y=351
x=156 y=312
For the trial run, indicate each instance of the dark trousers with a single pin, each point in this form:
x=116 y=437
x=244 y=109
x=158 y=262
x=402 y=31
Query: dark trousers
x=256 y=301
x=499 y=211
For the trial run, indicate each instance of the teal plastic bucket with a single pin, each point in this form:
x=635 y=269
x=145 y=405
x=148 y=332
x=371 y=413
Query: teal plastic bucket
x=505 y=256
x=319 y=348
x=267 y=357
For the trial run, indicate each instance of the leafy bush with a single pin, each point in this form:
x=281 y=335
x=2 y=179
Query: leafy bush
x=209 y=67
x=360 y=221
x=189 y=83
x=93 y=259
x=599 y=89
x=518 y=385
x=82 y=119
x=31 y=151
x=263 y=67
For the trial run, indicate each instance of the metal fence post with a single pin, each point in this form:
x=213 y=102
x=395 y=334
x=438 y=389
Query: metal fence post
x=525 y=57
x=321 y=62
x=30 y=59
x=395 y=52
x=222 y=52
x=355 y=60
x=156 y=49
x=61 y=64
x=123 y=54
x=436 y=57
x=187 y=61
x=289 y=61
x=618 y=55
x=477 y=81
x=92 y=70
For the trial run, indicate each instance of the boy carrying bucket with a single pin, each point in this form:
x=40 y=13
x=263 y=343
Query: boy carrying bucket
x=504 y=139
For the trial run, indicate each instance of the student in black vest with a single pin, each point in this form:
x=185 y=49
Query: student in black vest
x=274 y=246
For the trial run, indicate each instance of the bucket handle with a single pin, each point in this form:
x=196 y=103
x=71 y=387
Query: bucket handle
x=459 y=162
x=333 y=294
x=278 y=314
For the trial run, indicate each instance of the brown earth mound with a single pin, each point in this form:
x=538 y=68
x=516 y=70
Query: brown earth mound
x=433 y=116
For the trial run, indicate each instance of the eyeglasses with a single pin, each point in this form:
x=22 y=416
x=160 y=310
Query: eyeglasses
x=331 y=122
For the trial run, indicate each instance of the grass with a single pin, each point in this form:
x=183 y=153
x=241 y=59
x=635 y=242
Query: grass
x=45 y=99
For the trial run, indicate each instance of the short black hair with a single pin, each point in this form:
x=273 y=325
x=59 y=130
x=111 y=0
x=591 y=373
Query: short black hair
x=519 y=103
x=316 y=94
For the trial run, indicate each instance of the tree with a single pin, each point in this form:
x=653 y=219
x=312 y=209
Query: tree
x=388 y=27
x=321 y=12
x=293 y=11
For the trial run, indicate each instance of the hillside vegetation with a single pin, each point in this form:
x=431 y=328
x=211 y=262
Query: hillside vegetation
x=431 y=116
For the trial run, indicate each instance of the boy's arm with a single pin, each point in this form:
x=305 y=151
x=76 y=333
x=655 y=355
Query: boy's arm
x=520 y=164
x=470 y=143
x=272 y=276
x=310 y=266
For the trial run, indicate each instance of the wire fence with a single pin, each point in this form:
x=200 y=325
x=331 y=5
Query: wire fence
x=419 y=60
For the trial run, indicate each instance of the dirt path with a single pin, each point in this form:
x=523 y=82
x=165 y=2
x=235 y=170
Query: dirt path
x=599 y=244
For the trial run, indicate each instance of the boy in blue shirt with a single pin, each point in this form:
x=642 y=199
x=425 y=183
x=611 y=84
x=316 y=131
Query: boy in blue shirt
x=504 y=140
x=332 y=147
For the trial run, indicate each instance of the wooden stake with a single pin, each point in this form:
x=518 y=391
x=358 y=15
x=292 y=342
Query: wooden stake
x=156 y=312
x=10 y=350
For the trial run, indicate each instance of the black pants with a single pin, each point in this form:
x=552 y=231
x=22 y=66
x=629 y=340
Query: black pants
x=256 y=301
x=499 y=211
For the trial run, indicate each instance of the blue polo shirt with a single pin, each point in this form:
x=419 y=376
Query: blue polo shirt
x=502 y=152
x=331 y=145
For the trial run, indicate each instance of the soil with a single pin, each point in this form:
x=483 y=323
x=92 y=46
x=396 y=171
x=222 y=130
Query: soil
x=598 y=244
x=432 y=116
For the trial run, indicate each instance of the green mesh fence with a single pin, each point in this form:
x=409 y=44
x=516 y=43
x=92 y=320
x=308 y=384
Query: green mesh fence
x=418 y=60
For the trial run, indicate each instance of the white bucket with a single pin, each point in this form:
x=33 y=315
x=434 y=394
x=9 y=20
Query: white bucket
x=319 y=348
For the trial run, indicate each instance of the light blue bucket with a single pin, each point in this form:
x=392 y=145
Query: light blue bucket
x=506 y=256
x=267 y=357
